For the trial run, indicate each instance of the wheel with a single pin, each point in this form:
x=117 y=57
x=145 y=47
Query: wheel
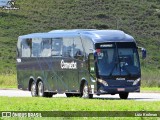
x=85 y=92
x=33 y=89
x=41 y=89
x=41 y=92
x=123 y=95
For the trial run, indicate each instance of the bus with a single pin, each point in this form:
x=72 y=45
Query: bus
x=78 y=62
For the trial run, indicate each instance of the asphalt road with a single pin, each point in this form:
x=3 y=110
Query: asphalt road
x=132 y=96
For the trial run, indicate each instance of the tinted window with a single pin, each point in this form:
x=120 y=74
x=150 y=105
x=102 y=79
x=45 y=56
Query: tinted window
x=36 y=47
x=78 y=48
x=46 y=47
x=128 y=59
x=106 y=62
x=26 y=48
x=57 y=44
x=68 y=47
x=88 y=45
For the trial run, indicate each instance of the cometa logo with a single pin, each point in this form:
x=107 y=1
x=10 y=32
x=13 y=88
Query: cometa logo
x=68 y=65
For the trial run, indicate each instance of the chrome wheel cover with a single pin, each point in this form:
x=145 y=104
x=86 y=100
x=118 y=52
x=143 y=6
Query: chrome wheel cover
x=40 y=89
x=33 y=89
x=85 y=91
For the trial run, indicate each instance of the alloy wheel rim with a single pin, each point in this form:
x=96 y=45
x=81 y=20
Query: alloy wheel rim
x=85 y=91
x=33 y=89
x=40 y=89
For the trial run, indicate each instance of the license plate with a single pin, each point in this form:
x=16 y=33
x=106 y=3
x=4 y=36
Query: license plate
x=120 y=89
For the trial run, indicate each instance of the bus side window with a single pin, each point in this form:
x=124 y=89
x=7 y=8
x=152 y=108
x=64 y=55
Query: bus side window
x=88 y=45
x=26 y=48
x=68 y=47
x=57 y=44
x=36 y=47
x=46 y=47
x=78 y=51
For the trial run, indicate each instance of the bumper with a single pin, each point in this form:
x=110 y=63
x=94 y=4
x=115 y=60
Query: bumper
x=117 y=89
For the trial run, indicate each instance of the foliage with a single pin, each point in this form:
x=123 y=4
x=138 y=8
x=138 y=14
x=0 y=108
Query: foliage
x=8 y=81
x=140 y=18
x=69 y=104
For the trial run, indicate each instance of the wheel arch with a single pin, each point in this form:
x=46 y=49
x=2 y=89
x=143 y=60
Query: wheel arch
x=83 y=80
x=31 y=79
x=38 y=80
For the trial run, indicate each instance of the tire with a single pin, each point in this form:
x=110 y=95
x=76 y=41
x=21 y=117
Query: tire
x=41 y=89
x=41 y=92
x=123 y=95
x=85 y=91
x=33 y=89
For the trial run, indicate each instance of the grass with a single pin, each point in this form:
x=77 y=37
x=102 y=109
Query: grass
x=8 y=81
x=139 y=18
x=150 y=89
x=69 y=104
x=150 y=77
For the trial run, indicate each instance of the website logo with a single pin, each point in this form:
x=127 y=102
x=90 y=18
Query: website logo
x=8 y=5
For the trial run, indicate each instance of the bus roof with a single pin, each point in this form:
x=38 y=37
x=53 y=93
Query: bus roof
x=97 y=36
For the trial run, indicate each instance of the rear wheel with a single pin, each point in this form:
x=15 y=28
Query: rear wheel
x=123 y=95
x=33 y=89
x=41 y=92
x=41 y=89
x=85 y=91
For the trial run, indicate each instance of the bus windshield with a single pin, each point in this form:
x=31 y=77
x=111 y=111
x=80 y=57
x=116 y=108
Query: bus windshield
x=118 y=61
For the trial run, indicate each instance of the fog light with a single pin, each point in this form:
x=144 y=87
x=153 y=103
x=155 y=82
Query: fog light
x=136 y=81
x=103 y=82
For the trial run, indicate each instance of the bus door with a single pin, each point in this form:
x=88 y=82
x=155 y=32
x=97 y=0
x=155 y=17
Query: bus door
x=78 y=54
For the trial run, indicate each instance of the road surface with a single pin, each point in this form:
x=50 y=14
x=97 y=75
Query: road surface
x=132 y=96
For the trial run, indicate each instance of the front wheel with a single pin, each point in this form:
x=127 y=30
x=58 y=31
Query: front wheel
x=85 y=92
x=123 y=95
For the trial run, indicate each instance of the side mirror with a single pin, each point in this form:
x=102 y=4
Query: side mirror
x=144 y=53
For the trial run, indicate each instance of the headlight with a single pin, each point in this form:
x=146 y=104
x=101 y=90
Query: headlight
x=136 y=81
x=92 y=79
